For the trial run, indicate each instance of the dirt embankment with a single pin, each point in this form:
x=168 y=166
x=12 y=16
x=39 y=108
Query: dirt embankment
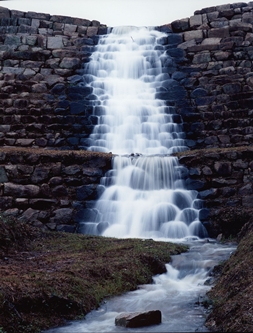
x=232 y=295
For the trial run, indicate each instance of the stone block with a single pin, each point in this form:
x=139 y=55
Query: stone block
x=17 y=190
x=58 y=89
x=223 y=7
x=235 y=26
x=52 y=79
x=219 y=32
x=40 y=16
x=219 y=23
x=53 y=63
x=85 y=215
x=173 y=39
x=195 y=21
x=70 y=28
x=60 y=191
x=24 y=142
x=40 y=174
x=92 y=31
x=42 y=203
x=205 y=100
x=212 y=16
x=12 y=40
x=5 y=12
x=195 y=34
x=54 y=42
x=227 y=13
x=246 y=190
x=70 y=63
x=62 y=216
x=247 y=201
x=211 y=41
x=6 y=202
x=231 y=88
x=223 y=168
x=35 y=23
x=77 y=108
x=228 y=192
x=39 y=87
x=207 y=194
x=211 y=141
x=203 y=57
x=180 y=25
x=187 y=44
x=3 y=176
x=222 y=55
x=192 y=184
x=26 y=29
x=86 y=191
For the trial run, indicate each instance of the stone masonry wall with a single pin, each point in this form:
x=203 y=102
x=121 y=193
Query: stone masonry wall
x=50 y=189
x=223 y=178
x=218 y=67
x=41 y=66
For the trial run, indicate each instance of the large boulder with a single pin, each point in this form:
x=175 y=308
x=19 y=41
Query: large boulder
x=139 y=319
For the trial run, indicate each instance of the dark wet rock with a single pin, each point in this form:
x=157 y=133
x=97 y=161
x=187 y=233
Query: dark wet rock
x=139 y=319
x=62 y=216
x=40 y=174
x=86 y=191
x=17 y=190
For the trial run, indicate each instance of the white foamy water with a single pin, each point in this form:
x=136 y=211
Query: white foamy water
x=143 y=195
x=146 y=198
x=125 y=72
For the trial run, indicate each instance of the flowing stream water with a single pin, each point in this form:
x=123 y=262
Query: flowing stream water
x=143 y=195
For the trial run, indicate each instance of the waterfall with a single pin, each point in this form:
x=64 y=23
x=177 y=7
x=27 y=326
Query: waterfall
x=144 y=194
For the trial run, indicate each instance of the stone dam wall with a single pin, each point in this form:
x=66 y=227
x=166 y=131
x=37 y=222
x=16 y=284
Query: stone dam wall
x=51 y=189
x=41 y=85
x=46 y=105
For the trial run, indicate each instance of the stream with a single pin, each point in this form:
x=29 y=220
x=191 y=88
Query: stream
x=178 y=294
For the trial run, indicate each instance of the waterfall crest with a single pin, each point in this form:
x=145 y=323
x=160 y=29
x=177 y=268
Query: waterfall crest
x=143 y=195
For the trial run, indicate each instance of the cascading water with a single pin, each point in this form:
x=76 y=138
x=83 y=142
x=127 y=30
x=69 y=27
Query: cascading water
x=125 y=72
x=143 y=195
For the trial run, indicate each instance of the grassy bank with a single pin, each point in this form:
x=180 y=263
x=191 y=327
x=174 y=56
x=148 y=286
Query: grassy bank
x=47 y=278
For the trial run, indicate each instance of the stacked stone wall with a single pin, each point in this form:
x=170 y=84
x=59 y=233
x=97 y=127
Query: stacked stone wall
x=50 y=189
x=218 y=52
x=41 y=84
x=224 y=181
